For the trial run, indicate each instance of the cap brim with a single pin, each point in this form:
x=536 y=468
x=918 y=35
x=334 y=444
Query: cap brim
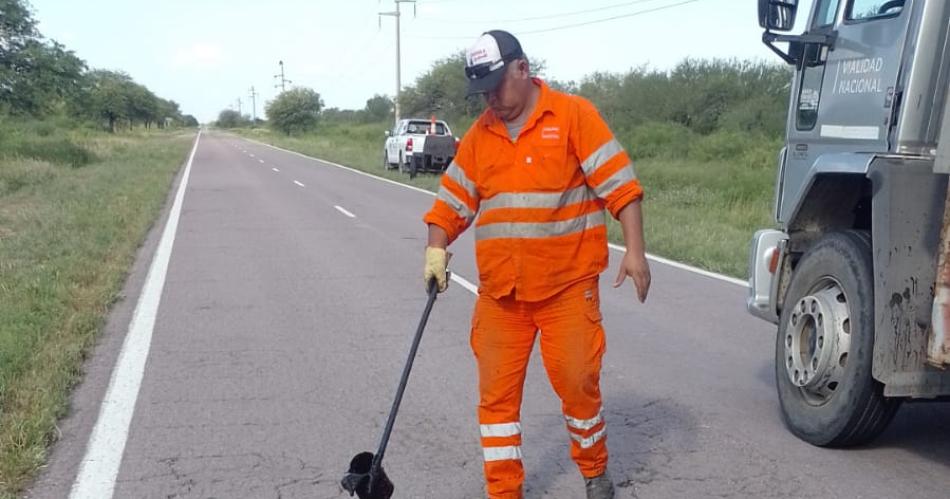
x=488 y=83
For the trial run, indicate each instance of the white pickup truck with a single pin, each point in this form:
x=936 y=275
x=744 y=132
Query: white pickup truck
x=408 y=149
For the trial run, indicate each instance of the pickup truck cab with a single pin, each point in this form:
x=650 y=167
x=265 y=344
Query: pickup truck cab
x=408 y=138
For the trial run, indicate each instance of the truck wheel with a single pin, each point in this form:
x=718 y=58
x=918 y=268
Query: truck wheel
x=825 y=345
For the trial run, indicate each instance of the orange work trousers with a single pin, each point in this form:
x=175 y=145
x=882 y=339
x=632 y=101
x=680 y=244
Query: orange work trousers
x=572 y=345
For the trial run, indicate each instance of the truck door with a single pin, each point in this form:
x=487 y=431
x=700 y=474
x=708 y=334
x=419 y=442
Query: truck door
x=394 y=143
x=845 y=91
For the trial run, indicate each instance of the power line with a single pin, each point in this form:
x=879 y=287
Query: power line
x=573 y=25
x=548 y=16
x=633 y=14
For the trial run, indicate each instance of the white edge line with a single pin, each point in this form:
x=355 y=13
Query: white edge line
x=275 y=169
x=658 y=259
x=688 y=268
x=100 y=465
x=344 y=211
x=464 y=283
x=299 y=183
x=262 y=161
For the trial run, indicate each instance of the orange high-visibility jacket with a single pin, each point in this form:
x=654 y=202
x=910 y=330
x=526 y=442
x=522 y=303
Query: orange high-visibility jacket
x=539 y=200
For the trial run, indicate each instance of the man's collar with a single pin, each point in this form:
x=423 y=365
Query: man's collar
x=543 y=105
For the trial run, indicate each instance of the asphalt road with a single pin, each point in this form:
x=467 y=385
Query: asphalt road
x=284 y=323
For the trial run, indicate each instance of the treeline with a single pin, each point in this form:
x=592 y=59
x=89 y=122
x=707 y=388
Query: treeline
x=301 y=109
x=41 y=78
x=695 y=99
x=702 y=96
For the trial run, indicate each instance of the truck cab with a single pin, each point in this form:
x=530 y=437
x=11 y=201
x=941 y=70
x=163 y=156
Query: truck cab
x=849 y=273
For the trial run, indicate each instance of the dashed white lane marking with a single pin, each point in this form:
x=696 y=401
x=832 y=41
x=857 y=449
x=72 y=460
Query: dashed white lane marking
x=343 y=211
x=276 y=170
x=100 y=466
x=262 y=161
x=299 y=183
x=251 y=155
x=658 y=259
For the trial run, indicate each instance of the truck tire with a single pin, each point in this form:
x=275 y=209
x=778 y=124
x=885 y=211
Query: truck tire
x=825 y=346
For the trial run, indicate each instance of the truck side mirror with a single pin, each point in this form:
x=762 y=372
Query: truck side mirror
x=778 y=15
x=386 y=133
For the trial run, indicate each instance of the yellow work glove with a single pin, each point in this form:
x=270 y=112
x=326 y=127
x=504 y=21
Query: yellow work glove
x=437 y=259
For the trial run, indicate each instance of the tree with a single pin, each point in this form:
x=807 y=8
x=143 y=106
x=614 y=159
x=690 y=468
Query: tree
x=379 y=108
x=35 y=76
x=143 y=105
x=230 y=118
x=189 y=121
x=169 y=112
x=442 y=91
x=42 y=77
x=107 y=97
x=296 y=110
x=17 y=27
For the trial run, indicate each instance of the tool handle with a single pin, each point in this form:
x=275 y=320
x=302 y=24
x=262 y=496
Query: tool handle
x=378 y=458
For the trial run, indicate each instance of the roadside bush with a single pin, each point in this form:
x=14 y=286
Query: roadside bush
x=726 y=145
x=16 y=174
x=57 y=150
x=658 y=140
x=294 y=111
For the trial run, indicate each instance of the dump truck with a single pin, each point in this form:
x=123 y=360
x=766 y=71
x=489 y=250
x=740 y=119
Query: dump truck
x=856 y=271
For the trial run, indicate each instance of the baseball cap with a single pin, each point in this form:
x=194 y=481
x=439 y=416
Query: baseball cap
x=485 y=61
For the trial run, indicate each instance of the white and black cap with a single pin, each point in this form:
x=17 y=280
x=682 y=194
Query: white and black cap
x=485 y=61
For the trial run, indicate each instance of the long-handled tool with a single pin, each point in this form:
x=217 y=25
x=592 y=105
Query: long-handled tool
x=366 y=477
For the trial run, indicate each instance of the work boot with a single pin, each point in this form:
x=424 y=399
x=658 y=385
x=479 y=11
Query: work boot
x=599 y=487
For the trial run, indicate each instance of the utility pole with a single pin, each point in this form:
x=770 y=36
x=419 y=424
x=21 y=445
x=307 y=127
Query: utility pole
x=397 y=14
x=253 y=105
x=283 y=81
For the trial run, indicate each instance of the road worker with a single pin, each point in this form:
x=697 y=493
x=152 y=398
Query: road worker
x=538 y=169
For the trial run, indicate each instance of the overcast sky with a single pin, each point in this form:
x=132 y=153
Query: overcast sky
x=205 y=54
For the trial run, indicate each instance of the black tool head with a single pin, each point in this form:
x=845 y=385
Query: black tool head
x=360 y=479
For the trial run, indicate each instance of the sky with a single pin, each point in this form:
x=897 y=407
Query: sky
x=207 y=54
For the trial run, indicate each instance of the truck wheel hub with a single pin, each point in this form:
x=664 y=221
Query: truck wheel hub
x=817 y=341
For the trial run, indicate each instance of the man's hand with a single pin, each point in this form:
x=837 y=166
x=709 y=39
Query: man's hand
x=636 y=266
x=437 y=260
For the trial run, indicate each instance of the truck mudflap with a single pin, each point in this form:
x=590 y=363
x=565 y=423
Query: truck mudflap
x=938 y=347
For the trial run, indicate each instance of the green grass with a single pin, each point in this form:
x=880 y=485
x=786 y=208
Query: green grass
x=71 y=219
x=704 y=195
